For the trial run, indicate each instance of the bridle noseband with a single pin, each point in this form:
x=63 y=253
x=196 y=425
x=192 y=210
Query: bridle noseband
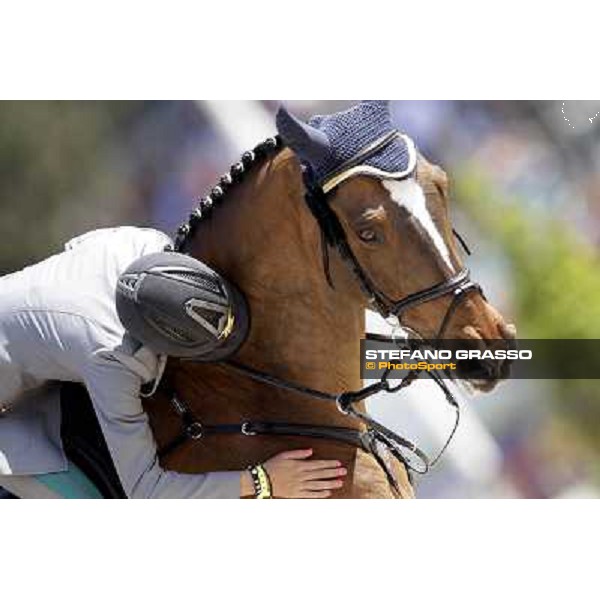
x=375 y=435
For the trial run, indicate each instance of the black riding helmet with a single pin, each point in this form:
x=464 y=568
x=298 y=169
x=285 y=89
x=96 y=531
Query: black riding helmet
x=177 y=306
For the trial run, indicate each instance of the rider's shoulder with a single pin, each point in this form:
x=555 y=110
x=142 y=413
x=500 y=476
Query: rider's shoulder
x=144 y=237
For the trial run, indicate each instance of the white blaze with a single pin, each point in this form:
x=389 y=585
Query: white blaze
x=409 y=194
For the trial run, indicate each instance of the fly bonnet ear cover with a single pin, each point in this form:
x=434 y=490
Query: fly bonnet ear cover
x=329 y=143
x=177 y=306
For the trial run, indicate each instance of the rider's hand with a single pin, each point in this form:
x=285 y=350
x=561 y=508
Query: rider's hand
x=293 y=475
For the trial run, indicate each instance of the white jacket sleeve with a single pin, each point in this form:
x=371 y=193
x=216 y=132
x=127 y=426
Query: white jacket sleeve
x=114 y=391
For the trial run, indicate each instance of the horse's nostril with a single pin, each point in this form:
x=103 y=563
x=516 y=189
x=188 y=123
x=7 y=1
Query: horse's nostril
x=491 y=369
x=479 y=369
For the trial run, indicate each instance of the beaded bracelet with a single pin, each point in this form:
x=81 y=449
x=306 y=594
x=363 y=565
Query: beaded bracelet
x=261 y=482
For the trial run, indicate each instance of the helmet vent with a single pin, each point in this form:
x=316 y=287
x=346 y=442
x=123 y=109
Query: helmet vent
x=129 y=284
x=202 y=281
x=167 y=329
x=212 y=317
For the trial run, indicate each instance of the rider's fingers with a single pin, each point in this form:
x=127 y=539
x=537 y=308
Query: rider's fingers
x=331 y=484
x=324 y=474
x=316 y=465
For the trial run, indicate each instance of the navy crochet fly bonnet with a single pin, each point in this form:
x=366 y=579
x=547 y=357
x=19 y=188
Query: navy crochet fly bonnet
x=329 y=143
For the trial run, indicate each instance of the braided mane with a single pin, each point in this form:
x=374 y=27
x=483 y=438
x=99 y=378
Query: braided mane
x=234 y=176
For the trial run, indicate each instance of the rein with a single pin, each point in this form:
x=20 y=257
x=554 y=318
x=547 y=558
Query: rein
x=374 y=436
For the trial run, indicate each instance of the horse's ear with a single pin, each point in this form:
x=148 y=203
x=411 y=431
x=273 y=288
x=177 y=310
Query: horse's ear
x=309 y=143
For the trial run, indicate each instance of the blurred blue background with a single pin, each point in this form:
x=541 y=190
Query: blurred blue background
x=526 y=194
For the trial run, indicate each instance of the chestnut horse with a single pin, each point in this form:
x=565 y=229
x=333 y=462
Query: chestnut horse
x=262 y=235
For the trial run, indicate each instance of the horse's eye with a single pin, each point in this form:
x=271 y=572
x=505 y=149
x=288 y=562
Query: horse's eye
x=367 y=235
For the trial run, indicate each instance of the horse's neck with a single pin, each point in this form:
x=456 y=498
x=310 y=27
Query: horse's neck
x=265 y=239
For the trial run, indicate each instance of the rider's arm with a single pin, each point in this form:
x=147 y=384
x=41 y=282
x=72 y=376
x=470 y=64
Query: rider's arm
x=114 y=391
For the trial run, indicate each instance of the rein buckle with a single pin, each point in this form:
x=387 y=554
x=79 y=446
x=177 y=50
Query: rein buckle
x=194 y=430
x=343 y=403
x=245 y=430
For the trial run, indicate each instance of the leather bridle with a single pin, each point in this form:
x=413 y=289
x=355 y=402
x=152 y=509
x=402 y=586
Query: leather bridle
x=374 y=436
